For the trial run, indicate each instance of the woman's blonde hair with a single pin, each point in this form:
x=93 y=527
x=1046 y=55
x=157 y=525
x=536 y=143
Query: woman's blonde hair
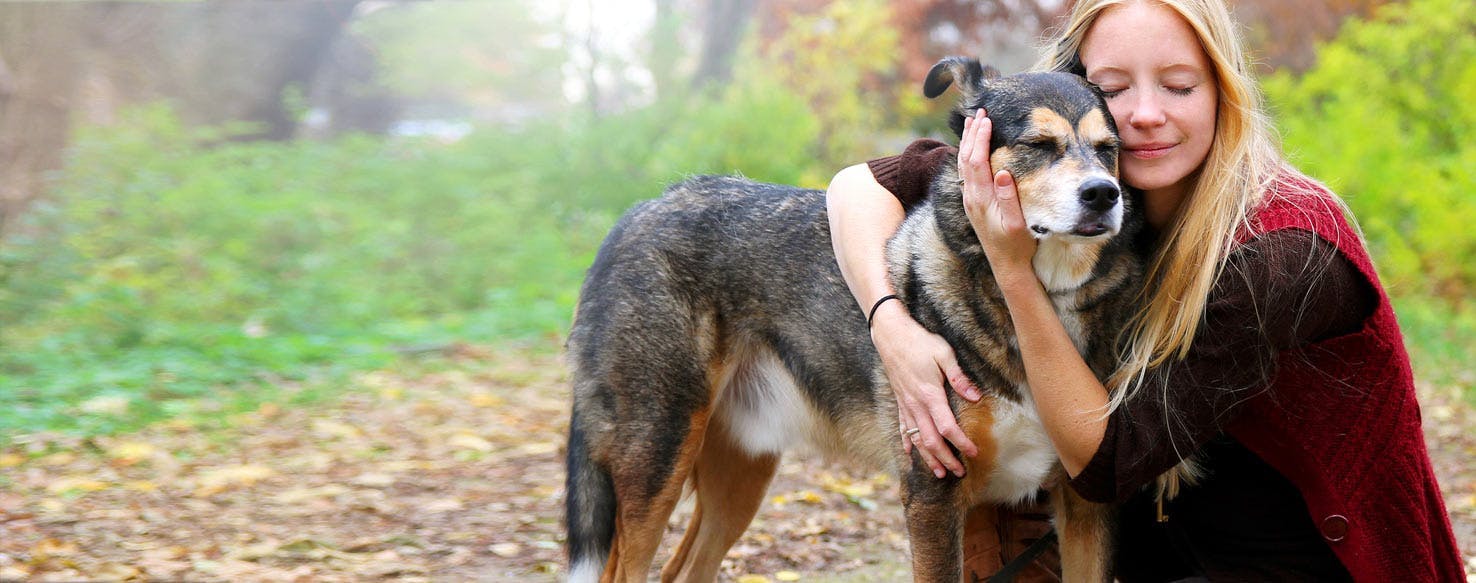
x=1243 y=160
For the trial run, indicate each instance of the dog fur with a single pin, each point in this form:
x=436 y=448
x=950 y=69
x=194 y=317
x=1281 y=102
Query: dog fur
x=714 y=332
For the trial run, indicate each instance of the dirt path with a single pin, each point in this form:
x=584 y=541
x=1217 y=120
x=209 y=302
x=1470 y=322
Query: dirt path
x=448 y=473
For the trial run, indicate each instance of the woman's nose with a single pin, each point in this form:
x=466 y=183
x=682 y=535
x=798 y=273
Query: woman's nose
x=1147 y=111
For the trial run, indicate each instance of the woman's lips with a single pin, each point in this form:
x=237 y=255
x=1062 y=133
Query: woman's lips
x=1150 y=151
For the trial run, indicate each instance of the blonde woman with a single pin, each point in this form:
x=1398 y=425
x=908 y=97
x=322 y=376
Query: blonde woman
x=1265 y=346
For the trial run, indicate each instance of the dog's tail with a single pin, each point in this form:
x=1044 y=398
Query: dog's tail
x=589 y=509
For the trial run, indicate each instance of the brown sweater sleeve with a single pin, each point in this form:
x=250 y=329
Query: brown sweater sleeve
x=1281 y=290
x=908 y=175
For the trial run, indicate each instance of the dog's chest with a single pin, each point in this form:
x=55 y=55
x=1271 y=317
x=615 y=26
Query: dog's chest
x=1071 y=320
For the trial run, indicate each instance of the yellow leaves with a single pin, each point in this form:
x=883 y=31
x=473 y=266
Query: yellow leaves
x=846 y=487
x=468 y=440
x=802 y=496
x=117 y=572
x=329 y=428
x=859 y=492
x=51 y=548
x=141 y=486
x=61 y=458
x=76 y=485
x=779 y=576
x=10 y=460
x=127 y=453
x=269 y=410
x=228 y=477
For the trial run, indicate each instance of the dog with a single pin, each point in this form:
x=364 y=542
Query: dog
x=714 y=332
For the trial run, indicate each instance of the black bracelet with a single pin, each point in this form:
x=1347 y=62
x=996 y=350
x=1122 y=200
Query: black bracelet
x=878 y=305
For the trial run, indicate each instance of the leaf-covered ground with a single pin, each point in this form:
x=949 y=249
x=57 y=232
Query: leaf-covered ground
x=446 y=471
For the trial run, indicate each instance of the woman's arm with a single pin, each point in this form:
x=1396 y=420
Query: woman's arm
x=863 y=216
x=1070 y=399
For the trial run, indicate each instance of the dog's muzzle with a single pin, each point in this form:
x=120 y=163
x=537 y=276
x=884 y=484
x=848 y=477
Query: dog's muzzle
x=1098 y=198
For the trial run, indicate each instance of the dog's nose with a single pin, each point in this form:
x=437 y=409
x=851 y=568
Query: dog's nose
x=1099 y=195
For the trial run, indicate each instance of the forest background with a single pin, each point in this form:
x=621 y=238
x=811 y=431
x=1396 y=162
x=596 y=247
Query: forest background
x=210 y=209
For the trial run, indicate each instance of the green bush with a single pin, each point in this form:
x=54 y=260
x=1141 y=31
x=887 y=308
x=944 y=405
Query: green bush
x=175 y=269
x=1386 y=119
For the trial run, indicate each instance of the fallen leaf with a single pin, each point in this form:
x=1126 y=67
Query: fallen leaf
x=538 y=448
x=374 y=480
x=10 y=460
x=506 y=550
x=60 y=458
x=330 y=428
x=130 y=452
x=442 y=505
x=76 y=484
x=141 y=486
x=300 y=495
x=51 y=547
x=470 y=441
x=269 y=410
x=752 y=579
x=222 y=479
x=105 y=405
x=787 y=576
x=117 y=572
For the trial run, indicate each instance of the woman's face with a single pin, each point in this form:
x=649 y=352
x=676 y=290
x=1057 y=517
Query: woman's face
x=1162 y=92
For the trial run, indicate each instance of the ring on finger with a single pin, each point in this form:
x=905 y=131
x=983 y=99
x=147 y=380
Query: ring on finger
x=912 y=433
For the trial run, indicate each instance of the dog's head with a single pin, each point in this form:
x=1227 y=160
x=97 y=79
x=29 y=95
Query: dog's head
x=1054 y=134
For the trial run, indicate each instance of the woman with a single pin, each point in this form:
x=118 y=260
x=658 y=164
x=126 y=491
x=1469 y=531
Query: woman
x=1265 y=346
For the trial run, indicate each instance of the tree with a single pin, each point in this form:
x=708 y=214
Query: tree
x=1285 y=33
x=79 y=63
x=1384 y=116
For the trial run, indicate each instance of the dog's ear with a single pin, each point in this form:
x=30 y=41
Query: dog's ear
x=971 y=78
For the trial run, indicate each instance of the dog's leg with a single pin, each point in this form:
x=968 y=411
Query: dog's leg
x=643 y=510
x=934 y=510
x=1084 y=530
x=730 y=486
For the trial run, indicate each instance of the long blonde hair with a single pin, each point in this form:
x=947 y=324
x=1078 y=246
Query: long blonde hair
x=1243 y=161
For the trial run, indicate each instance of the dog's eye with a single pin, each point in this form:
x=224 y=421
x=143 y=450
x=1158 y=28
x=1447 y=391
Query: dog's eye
x=1043 y=145
x=1106 y=146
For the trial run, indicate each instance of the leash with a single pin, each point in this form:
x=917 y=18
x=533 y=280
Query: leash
x=1012 y=570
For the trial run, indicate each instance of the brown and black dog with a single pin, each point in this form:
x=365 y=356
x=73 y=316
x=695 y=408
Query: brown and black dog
x=714 y=332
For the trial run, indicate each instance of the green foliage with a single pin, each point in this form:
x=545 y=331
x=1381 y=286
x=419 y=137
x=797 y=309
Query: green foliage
x=838 y=62
x=1386 y=118
x=175 y=270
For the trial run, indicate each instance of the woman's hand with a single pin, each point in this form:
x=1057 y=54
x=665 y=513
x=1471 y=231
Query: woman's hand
x=990 y=202
x=917 y=362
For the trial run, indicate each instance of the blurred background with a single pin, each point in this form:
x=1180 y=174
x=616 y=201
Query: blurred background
x=214 y=215
x=201 y=197
x=208 y=196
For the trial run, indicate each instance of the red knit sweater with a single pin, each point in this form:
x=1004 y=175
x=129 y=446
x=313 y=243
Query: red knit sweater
x=1359 y=459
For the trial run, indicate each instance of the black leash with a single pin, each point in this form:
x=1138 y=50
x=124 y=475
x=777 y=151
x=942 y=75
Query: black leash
x=1012 y=570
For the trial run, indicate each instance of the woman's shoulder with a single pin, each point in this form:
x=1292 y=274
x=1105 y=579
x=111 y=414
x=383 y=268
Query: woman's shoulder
x=909 y=174
x=1293 y=200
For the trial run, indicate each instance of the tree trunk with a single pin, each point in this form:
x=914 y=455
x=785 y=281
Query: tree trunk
x=71 y=63
x=722 y=31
